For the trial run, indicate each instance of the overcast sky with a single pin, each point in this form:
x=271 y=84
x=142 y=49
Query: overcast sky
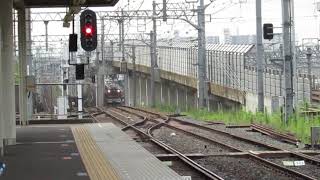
x=238 y=17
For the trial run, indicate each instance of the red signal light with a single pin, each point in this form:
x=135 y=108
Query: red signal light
x=88 y=30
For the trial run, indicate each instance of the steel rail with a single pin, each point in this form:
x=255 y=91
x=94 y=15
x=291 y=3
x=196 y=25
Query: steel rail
x=215 y=131
x=181 y=156
x=297 y=154
x=275 y=135
x=254 y=156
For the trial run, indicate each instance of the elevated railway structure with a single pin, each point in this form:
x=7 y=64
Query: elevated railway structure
x=231 y=77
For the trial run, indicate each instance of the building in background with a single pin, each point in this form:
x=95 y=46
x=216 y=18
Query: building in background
x=227 y=36
x=243 y=39
x=213 y=39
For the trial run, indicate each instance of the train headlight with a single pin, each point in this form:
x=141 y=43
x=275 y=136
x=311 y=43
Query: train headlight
x=118 y=91
x=109 y=91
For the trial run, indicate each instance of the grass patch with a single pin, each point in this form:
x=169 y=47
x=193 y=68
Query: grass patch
x=298 y=125
x=166 y=108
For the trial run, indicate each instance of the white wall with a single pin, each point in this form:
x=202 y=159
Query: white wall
x=252 y=102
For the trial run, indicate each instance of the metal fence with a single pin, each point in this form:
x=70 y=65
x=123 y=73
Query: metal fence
x=225 y=63
x=234 y=66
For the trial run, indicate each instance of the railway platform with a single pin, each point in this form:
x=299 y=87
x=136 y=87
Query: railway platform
x=80 y=152
x=43 y=152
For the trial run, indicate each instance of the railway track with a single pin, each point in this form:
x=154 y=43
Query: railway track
x=269 y=159
x=240 y=143
x=190 y=166
x=158 y=134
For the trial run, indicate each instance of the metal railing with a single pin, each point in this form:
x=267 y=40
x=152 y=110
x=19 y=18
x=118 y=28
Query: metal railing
x=234 y=66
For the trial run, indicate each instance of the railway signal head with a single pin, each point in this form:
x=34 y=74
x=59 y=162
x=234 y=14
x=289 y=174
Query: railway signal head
x=88 y=26
x=80 y=72
x=73 y=43
x=268 y=31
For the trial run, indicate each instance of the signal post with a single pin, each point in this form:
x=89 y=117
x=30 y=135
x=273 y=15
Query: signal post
x=88 y=39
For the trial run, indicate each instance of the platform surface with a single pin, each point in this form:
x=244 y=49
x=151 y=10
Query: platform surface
x=130 y=160
x=80 y=152
x=44 y=153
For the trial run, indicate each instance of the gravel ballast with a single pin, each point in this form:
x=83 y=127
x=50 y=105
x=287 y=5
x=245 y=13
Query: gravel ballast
x=246 y=133
x=229 y=140
x=235 y=168
x=184 y=170
x=186 y=143
x=308 y=169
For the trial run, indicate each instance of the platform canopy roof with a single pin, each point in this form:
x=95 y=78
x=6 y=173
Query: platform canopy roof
x=62 y=3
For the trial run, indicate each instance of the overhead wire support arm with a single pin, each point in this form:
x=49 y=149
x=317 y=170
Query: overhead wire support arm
x=174 y=10
x=207 y=5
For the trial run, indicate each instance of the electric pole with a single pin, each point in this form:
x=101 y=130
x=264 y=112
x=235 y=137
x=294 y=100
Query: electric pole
x=134 y=76
x=100 y=71
x=152 y=89
x=203 y=92
x=293 y=52
x=102 y=40
x=112 y=52
x=260 y=52
x=287 y=49
x=126 y=78
x=46 y=30
x=153 y=38
x=122 y=37
x=309 y=56
x=31 y=70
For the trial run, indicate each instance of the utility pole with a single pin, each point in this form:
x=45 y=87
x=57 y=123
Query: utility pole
x=293 y=52
x=122 y=36
x=152 y=50
x=30 y=68
x=126 y=76
x=153 y=38
x=203 y=92
x=134 y=76
x=288 y=64
x=260 y=52
x=309 y=55
x=100 y=71
x=112 y=53
x=102 y=40
x=120 y=21
x=46 y=26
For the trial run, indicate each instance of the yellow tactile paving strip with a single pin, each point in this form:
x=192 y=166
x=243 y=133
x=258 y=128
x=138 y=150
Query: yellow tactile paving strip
x=97 y=166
